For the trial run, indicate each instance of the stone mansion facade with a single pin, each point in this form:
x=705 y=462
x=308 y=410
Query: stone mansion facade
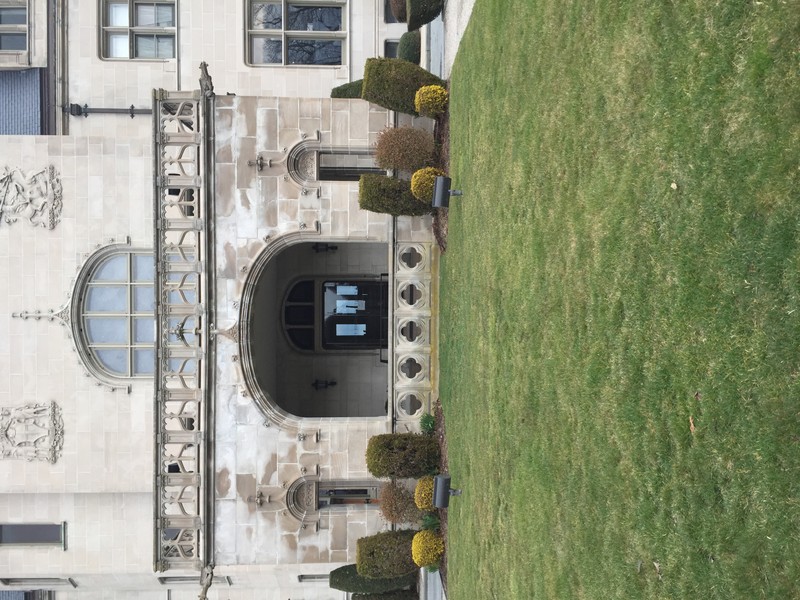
x=199 y=327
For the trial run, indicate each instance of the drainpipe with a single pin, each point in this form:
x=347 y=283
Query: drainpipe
x=76 y=110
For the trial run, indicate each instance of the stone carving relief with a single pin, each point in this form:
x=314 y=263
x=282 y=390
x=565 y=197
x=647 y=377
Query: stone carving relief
x=32 y=432
x=35 y=196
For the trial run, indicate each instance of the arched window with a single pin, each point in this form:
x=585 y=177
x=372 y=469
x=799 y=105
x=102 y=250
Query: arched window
x=115 y=315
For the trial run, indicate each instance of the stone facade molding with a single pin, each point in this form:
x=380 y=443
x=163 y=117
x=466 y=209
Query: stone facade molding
x=35 y=196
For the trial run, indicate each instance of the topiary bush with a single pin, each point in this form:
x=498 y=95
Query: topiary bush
x=348 y=90
x=402 y=454
x=427 y=548
x=397 y=504
x=405 y=149
x=393 y=82
x=423 y=493
x=422 y=182
x=347 y=579
x=400 y=595
x=420 y=12
x=409 y=46
x=431 y=100
x=398 y=8
x=382 y=194
x=385 y=554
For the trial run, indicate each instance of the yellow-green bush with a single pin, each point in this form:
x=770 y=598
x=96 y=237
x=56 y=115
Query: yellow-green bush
x=422 y=183
x=423 y=493
x=427 y=548
x=431 y=100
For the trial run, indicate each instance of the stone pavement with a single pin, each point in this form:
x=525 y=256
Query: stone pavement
x=444 y=34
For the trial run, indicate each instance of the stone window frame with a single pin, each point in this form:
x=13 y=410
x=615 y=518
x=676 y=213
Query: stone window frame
x=133 y=31
x=288 y=35
x=15 y=29
x=87 y=348
x=44 y=583
x=193 y=580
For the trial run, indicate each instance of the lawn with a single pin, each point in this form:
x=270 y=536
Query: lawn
x=620 y=301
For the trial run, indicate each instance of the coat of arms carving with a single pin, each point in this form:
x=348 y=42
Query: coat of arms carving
x=33 y=195
x=31 y=432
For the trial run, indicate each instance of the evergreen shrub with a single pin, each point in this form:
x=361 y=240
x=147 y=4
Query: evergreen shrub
x=385 y=554
x=392 y=83
x=382 y=194
x=423 y=493
x=347 y=579
x=421 y=12
x=431 y=100
x=348 y=90
x=405 y=149
x=409 y=47
x=422 y=183
x=402 y=454
x=427 y=548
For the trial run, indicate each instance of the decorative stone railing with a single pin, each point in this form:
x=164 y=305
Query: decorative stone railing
x=182 y=411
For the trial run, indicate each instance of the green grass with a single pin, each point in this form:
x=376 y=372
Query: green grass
x=626 y=256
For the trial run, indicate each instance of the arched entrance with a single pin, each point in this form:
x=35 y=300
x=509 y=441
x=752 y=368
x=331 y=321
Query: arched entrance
x=317 y=330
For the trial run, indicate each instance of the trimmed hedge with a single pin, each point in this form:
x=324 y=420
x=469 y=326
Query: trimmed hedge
x=348 y=90
x=347 y=579
x=397 y=504
x=382 y=194
x=421 y=12
x=402 y=454
x=385 y=554
x=409 y=46
x=405 y=149
x=392 y=83
x=404 y=595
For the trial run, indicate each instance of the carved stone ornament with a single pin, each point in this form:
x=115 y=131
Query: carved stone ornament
x=32 y=432
x=307 y=166
x=35 y=196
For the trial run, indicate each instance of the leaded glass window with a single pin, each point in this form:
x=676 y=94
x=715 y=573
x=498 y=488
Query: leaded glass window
x=117 y=315
x=300 y=32
x=140 y=30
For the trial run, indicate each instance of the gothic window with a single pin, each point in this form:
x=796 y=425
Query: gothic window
x=116 y=315
x=14 y=27
x=138 y=29
x=299 y=32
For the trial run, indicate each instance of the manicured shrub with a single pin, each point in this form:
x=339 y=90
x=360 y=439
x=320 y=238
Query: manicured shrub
x=385 y=554
x=400 y=595
x=409 y=46
x=382 y=194
x=347 y=579
x=398 y=8
x=348 y=90
x=427 y=548
x=397 y=504
x=423 y=493
x=393 y=82
x=420 y=12
x=405 y=149
x=431 y=100
x=422 y=182
x=402 y=454
x=427 y=423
